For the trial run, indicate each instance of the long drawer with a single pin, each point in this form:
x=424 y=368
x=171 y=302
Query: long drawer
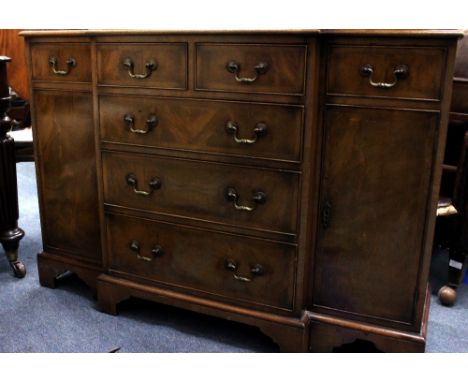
x=221 y=127
x=255 y=198
x=255 y=271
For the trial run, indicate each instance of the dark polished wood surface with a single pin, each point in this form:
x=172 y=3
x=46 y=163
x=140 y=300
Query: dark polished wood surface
x=425 y=71
x=384 y=157
x=42 y=69
x=202 y=126
x=12 y=45
x=10 y=233
x=199 y=190
x=284 y=68
x=170 y=65
x=415 y=33
x=64 y=140
x=319 y=231
x=220 y=265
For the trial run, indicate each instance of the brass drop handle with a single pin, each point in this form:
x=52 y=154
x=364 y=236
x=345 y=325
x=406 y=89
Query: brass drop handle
x=400 y=72
x=154 y=184
x=150 y=67
x=53 y=63
x=156 y=251
x=150 y=124
x=231 y=195
x=255 y=270
x=259 y=130
x=235 y=67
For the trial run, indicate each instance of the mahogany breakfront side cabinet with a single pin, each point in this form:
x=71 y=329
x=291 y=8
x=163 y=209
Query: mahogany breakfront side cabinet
x=284 y=179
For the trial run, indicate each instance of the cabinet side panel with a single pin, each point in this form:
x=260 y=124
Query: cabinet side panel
x=65 y=139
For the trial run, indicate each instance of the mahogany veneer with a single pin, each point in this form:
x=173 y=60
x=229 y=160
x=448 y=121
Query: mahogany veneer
x=283 y=179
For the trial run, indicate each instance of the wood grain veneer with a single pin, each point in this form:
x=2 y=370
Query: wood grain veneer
x=335 y=249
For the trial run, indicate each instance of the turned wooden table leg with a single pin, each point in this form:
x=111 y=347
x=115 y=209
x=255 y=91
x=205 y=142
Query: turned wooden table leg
x=10 y=233
x=10 y=241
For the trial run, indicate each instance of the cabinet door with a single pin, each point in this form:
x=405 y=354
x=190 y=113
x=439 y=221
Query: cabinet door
x=376 y=182
x=64 y=140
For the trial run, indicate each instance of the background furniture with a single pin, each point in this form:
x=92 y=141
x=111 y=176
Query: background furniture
x=452 y=230
x=267 y=178
x=12 y=45
x=16 y=106
x=23 y=144
x=10 y=233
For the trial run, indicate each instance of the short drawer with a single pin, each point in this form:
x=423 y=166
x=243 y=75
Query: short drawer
x=226 y=266
x=223 y=194
x=231 y=128
x=61 y=62
x=155 y=65
x=382 y=71
x=252 y=68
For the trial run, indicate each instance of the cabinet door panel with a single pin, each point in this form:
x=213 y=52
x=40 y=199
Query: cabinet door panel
x=376 y=182
x=65 y=140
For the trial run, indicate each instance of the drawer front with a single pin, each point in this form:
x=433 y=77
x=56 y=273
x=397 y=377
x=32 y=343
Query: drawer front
x=272 y=69
x=251 y=270
x=155 y=65
x=246 y=129
x=67 y=181
x=203 y=190
x=368 y=251
x=395 y=72
x=61 y=62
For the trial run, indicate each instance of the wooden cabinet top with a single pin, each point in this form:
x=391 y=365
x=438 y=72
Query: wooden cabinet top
x=443 y=33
